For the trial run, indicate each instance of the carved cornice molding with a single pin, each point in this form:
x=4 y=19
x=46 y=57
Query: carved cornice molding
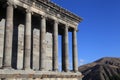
x=53 y=9
x=50 y=9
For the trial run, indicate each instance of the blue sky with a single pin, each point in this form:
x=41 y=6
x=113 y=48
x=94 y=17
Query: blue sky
x=99 y=32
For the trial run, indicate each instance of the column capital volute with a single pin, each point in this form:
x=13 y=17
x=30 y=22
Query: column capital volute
x=75 y=29
x=28 y=10
x=11 y=3
x=67 y=25
x=44 y=16
x=56 y=21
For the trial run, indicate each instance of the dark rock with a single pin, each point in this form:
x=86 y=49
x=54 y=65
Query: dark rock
x=103 y=69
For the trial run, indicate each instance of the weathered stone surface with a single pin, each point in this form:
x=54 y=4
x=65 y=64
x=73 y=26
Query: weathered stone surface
x=41 y=79
x=28 y=26
x=37 y=74
x=55 y=46
x=8 y=36
x=37 y=79
x=74 y=51
x=49 y=41
x=36 y=47
x=19 y=79
x=20 y=46
x=2 y=27
x=65 y=55
x=43 y=44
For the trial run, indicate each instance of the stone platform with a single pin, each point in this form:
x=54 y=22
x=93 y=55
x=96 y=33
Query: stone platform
x=27 y=74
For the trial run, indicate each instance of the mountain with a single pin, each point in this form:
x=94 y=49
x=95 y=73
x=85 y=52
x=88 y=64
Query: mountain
x=106 y=68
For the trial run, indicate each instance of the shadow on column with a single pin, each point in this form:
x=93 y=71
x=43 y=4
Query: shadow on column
x=19 y=18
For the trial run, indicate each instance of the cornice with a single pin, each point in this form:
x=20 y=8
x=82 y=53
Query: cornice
x=59 y=9
x=51 y=9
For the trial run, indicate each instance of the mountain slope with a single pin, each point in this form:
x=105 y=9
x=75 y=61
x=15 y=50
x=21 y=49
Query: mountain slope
x=103 y=69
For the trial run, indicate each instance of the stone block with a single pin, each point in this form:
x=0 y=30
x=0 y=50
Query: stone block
x=18 y=78
x=10 y=79
x=41 y=79
x=27 y=79
x=20 y=46
x=37 y=79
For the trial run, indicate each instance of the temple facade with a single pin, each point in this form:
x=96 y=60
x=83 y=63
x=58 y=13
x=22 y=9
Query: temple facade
x=29 y=32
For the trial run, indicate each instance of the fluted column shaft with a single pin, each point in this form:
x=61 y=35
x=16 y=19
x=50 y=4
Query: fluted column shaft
x=66 y=49
x=55 y=46
x=27 y=40
x=8 y=36
x=75 y=53
x=65 y=63
x=43 y=43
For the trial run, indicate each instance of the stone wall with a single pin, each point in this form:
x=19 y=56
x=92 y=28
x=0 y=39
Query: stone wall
x=36 y=49
x=49 y=51
x=20 y=47
x=42 y=79
x=2 y=27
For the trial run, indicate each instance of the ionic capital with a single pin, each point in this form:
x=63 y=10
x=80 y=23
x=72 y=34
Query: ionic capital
x=28 y=10
x=56 y=21
x=11 y=3
x=67 y=25
x=75 y=29
x=43 y=16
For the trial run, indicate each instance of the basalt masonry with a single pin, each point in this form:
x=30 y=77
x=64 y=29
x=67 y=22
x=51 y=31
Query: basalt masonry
x=29 y=32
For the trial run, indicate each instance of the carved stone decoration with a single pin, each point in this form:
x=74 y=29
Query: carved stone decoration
x=10 y=2
x=36 y=54
x=20 y=46
x=2 y=27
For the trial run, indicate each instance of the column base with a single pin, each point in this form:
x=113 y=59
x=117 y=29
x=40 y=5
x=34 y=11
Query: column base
x=65 y=71
x=75 y=71
x=29 y=69
x=56 y=70
x=42 y=69
x=8 y=67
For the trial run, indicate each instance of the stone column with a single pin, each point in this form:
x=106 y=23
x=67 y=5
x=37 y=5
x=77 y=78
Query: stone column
x=55 y=46
x=65 y=63
x=27 y=40
x=43 y=43
x=74 y=49
x=8 y=36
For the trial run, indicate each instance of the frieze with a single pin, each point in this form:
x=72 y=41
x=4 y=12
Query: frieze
x=54 y=10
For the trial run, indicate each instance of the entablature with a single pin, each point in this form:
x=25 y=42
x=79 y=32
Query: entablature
x=50 y=9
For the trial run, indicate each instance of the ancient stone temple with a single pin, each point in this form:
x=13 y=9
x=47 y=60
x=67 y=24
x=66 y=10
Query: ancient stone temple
x=29 y=31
